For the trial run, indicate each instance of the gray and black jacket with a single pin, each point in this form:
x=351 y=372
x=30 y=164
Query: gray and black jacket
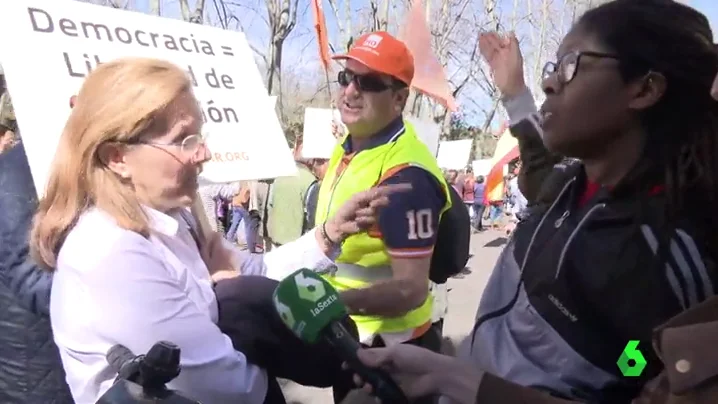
x=576 y=283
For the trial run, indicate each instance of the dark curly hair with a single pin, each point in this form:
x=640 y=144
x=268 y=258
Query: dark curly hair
x=667 y=37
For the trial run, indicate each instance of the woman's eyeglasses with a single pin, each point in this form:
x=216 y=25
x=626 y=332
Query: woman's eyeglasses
x=567 y=66
x=370 y=83
x=189 y=145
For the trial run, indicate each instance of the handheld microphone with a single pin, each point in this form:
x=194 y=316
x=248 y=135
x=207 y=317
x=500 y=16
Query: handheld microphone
x=142 y=378
x=310 y=307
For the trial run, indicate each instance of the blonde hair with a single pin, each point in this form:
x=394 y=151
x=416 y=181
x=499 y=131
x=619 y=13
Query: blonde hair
x=118 y=102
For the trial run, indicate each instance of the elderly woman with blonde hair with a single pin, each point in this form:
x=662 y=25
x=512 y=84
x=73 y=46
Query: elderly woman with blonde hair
x=131 y=267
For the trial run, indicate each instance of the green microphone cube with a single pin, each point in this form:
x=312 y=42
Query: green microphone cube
x=307 y=304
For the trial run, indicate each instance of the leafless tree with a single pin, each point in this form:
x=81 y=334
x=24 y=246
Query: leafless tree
x=282 y=16
x=155 y=7
x=119 y=4
x=193 y=15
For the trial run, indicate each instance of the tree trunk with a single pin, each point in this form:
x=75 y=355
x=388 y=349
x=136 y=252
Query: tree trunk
x=155 y=7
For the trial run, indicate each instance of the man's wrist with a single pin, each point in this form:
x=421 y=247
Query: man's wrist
x=331 y=232
x=459 y=381
x=348 y=298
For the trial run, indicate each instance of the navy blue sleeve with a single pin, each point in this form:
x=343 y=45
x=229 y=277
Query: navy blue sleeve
x=29 y=284
x=409 y=224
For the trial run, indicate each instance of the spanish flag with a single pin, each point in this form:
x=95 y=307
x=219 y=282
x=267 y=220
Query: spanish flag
x=507 y=150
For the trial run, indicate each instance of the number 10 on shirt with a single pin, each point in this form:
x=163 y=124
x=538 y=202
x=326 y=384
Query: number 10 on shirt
x=419 y=224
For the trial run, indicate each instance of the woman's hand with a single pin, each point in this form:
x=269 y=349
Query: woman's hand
x=224 y=274
x=360 y=211
x=504 y=58
x=420 y=372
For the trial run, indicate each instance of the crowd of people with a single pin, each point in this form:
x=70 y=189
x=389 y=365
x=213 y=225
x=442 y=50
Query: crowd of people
x=610 y=242
x=498 y=213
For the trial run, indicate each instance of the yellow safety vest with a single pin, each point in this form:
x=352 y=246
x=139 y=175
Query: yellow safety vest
x=364 y=259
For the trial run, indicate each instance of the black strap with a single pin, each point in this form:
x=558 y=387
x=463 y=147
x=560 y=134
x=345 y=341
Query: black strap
x=192 y=231
x=265 y=210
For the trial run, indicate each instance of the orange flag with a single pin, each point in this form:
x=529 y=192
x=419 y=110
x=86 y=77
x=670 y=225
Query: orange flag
x=429 y=77
x=320 y=25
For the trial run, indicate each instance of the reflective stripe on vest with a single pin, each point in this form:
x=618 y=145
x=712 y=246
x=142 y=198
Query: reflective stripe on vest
x=364 y=260
x=363 y=274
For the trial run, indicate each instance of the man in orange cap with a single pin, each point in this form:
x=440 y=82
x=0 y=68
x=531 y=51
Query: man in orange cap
x=383 y=275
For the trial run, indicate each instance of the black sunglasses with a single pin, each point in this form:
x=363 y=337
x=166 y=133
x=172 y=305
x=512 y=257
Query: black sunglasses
x=370 y=83
x=567 y=66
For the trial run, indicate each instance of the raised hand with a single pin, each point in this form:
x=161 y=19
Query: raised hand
x=503 y=55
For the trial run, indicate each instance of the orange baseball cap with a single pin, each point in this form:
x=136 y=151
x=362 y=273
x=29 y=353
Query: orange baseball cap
x=383 y=53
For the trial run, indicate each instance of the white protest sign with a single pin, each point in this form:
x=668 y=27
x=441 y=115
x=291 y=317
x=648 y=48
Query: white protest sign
x=427 y=131
x=454 y=154
x=55 y=44
x=481 y=167
x=318 y=141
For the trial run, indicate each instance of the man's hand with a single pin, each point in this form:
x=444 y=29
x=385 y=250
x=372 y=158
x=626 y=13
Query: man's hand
x=504 y=58
x=360 y=211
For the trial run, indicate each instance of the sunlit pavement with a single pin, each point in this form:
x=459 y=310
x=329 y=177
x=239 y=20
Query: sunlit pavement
x=464 y=294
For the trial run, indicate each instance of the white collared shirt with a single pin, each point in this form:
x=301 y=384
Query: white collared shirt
x=113 y=286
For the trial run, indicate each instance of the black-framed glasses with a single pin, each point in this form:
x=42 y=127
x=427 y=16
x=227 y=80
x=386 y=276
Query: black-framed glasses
x=371 y=82
x=567 y=66
x=188 y=145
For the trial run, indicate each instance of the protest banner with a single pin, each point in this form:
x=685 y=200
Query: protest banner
x=481 y=167
x=318 y=141
x=428 y=131
x=55 y=44
x=454 y=154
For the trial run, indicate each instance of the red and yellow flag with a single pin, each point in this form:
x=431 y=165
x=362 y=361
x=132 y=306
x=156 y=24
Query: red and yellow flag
x=507 y=150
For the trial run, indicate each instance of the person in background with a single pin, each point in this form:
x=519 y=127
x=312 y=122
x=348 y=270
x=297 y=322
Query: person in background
x=241 y=231
x=30 y=367
x=468 y=194
x=496 y=207
x=212 y=196
x=319 y=169
x=452 y=176
x=258 y=208
x=518 y=201
x=479 y=207
x=288 y=198
x=8 y=129
x=459 y=181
